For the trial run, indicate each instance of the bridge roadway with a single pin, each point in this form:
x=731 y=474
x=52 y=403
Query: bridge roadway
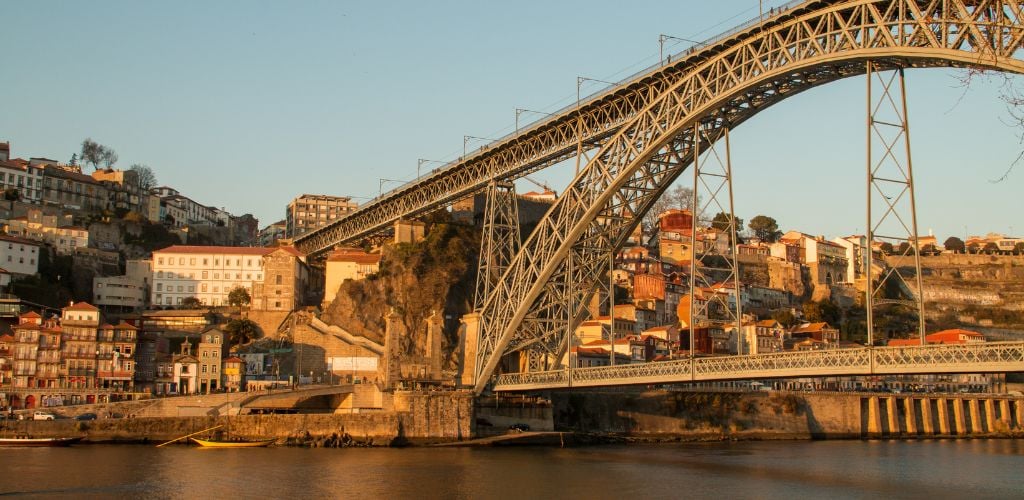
x=986 y=357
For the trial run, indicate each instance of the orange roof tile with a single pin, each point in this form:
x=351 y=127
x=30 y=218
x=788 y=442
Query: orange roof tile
x=81 y=306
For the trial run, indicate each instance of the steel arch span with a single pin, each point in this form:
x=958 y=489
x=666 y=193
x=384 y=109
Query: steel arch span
x=815 y=42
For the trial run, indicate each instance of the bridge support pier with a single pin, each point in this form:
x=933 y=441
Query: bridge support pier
x=1019 y=404
x=910 y=416
x=1004 y=413
x=874 y=417
x=927 y=425
x=470 y=343
x=974 y=413
x=958 y=417
x=892 y=414
x=890 y=183
x=943 y=410
x=990 y=415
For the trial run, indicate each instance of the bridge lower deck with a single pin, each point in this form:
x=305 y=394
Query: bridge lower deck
x=987 y=357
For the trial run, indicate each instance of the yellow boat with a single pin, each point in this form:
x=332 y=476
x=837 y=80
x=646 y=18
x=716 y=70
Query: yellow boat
x=233 y=444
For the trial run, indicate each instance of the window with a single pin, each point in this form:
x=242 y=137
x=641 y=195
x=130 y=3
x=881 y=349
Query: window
x=216 y=262
x=202 y=287
x=205 y=274
x=159 y=287
x=191 y=288
x=159 y=274
x=206 y=262
x=181 y=261
x=180 y=289
x=204 y=366
x=192 y=261
x=278 y=280
x=216 y=276
x=213 y=368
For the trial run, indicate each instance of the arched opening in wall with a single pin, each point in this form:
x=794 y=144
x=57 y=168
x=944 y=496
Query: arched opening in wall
x=828 y=278
x=30 y=402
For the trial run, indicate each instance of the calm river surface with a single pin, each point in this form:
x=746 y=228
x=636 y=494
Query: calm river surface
x=972 y=469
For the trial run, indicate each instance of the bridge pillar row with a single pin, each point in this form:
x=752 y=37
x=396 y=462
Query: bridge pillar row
x=469 y=345
x=990 y=414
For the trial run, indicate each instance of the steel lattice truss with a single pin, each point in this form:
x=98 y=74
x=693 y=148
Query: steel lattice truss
x=814 y=43
x=963 y=358
x=500 y=239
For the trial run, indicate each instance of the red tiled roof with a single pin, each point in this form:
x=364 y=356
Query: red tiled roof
x=6 y=338
x=353 y=255
x=190 y=249
x=23 y=241
x=31 y=314
x=81 y=306
x=233 y=359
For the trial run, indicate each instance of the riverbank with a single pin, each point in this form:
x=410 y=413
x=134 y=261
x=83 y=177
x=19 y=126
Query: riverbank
x=587 y=418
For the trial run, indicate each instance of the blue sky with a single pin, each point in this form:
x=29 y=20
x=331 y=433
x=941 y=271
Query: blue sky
x=247 y=104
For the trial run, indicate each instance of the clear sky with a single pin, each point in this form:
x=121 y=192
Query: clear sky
x=246 y=105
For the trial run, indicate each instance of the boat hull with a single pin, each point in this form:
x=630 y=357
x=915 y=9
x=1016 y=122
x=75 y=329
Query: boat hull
x=233 y=444
x=37 y=442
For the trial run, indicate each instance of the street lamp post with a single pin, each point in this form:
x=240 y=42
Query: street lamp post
x=520 y=111
x=467 y=138
x=380 y=187
x=421 y=161
x=661 y=46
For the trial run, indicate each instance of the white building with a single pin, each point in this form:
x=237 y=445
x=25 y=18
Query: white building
x=209 y=273
x=19 y=256
x=130 y=291
x=26 y=178
x=348 y=264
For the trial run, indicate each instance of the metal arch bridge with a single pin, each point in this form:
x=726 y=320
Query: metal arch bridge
x=637 y=137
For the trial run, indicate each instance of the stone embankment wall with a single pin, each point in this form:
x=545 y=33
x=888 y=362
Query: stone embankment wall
x=419 y=417
x=780 y=415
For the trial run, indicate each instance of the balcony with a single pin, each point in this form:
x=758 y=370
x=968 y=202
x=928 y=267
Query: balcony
x=115 y=374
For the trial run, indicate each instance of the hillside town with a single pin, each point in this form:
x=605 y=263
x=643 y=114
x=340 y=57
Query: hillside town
x=117 y=288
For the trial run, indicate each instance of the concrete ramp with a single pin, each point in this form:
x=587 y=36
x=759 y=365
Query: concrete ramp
x=343 y=335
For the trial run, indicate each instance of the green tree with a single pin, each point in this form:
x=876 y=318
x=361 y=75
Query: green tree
x=821 y=311
x=904 y=248
x=765 y=229
x=886 y=248
x=929 y=249
x=242 y=331
x=191 y=303
x=12 y=195
x=973 y=248
x=954 y=244
x=677 y=197
x=721 y=222
x=991 y=248
x=239 y=296
x=1018 y=249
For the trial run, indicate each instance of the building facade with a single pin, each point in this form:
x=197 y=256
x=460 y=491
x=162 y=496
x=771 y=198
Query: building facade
x=313 y=211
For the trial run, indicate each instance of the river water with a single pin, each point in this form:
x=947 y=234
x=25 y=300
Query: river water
x=974 y=469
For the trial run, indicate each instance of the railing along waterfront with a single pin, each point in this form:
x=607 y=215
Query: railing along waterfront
x=958 y=358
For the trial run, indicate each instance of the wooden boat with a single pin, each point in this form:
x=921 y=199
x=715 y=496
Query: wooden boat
x=232 y=444
x=35 y=442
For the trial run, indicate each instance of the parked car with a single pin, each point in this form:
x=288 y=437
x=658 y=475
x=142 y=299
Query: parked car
x=519 y=427
x=86 y=416
x=42 y=415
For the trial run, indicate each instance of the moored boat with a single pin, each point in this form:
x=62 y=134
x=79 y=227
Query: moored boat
x=232 y=444
x=35 y=442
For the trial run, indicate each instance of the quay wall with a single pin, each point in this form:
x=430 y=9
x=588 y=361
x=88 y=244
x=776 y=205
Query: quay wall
x=419 y=417
x=659 y=414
